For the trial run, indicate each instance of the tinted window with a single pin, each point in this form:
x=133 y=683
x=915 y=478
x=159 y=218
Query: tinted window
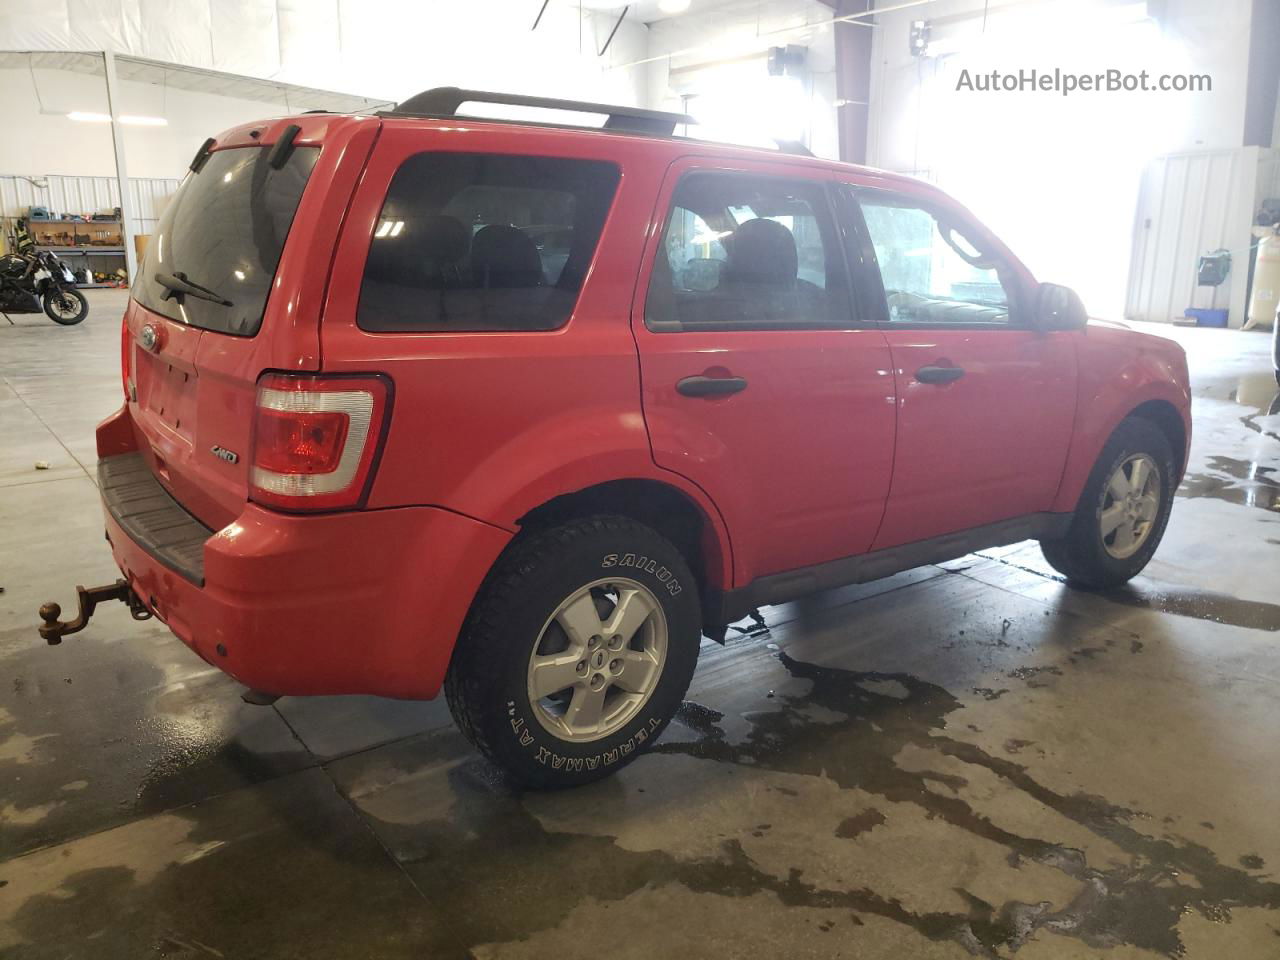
x=747 y=251
x=932 y=272
x=470 y=241
x=225 y=229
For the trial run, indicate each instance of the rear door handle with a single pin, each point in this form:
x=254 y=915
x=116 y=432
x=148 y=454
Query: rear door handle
x=939 y=374
x=710 y=386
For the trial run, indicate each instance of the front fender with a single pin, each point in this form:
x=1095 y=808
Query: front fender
x=1120 y=370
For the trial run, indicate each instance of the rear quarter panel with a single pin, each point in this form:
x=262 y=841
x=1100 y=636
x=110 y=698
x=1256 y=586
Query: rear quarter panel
x=494 y=424
x=1119 y=370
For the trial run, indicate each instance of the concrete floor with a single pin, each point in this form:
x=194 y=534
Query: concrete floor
x=961 y=760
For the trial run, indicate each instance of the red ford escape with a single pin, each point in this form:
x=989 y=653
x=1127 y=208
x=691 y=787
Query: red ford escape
x=522 y=411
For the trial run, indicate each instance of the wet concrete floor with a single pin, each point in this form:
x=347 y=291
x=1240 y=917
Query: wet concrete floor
x=964 y=760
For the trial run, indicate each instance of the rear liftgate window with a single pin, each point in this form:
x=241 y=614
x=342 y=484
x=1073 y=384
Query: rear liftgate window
x=225 y=230
x=470 y=241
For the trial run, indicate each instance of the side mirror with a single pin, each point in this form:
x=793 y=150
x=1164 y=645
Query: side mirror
x=1059 y=308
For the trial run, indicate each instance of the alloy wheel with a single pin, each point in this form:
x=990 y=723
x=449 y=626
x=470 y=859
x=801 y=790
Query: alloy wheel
x=597 y=660
x=1130 y=505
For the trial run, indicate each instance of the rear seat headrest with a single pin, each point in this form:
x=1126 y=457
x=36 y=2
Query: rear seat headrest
x=504 y=256
x=443 y=239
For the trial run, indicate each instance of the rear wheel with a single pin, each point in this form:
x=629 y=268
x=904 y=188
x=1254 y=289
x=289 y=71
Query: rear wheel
x=67 y=307
x=577 y=652
x=1122 y=511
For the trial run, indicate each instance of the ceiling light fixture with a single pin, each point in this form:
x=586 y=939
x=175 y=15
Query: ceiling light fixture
x=85 y=116
x=673 y=7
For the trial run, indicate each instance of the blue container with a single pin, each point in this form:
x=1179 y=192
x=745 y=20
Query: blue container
x=1206 y=318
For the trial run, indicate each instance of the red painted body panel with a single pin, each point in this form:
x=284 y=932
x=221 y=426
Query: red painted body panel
x=833 y=450
x=989 y=446
x=1120 y=369
x=323 y=604
x=208 y=396
x=799 y=462
x=495 y=424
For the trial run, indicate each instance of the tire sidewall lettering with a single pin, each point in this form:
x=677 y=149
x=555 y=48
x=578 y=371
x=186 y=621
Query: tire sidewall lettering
x=550 y=758
x=665 y=577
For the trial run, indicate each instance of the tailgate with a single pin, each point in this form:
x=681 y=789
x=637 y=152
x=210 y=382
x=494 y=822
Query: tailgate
x=232 y=285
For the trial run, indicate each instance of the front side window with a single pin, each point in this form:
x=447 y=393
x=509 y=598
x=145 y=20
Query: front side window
x=743 y=252
x=225 y=230
x=471 y=242
x=932 y=272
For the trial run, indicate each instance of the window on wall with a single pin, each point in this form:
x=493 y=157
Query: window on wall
x=469 y=241
x=741 y=251
x=932 y=272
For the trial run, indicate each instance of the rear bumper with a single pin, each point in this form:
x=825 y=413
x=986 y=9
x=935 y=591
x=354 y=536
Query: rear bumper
x=364 y=602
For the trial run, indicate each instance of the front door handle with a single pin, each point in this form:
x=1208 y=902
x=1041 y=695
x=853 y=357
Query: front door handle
x=939 y=374
x=710 y=386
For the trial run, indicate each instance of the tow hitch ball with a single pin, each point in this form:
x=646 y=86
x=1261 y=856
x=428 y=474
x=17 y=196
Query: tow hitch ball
x=53 y=629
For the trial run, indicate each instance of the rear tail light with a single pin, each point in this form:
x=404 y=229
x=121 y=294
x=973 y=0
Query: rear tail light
x=126 y=349
x=315 y=439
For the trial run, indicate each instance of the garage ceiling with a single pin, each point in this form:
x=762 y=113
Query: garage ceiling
x=196 y=79
x=647 y=11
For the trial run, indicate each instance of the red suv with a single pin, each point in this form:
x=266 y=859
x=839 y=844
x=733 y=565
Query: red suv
x=419 y=400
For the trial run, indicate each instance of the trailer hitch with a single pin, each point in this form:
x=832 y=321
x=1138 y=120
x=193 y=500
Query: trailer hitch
x=53 y=629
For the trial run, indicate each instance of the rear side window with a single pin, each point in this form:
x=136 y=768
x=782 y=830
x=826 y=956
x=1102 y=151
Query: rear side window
x=474 y=241
x=747 y=252
x=225 y=230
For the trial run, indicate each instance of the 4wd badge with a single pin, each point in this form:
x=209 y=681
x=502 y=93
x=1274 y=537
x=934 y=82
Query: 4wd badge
x=222 y=453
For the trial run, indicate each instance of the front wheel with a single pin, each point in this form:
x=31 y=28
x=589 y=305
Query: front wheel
x=577 y=652
x=1122 y=511
x=67 y=307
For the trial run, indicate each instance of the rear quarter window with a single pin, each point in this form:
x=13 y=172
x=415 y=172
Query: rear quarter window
x=474 y=242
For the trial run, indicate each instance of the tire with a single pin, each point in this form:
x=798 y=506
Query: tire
x=517 y=631
x=1087 y=556
x=66 y=295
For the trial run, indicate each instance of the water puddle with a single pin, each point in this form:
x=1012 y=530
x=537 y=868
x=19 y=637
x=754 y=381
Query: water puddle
x=1138 y=903
x=1200 y=604
x=1234 y=481
x=1180 y=602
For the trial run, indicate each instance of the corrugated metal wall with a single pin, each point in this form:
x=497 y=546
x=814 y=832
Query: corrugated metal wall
x=85 y=195
x=1189 y=205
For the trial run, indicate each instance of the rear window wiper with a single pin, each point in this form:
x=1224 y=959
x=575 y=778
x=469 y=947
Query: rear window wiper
x=177 y=284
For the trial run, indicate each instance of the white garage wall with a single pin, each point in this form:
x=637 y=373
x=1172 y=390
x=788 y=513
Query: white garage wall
x=36 y=142
x=1056 y=177
x=386 y=49
x=717 y=60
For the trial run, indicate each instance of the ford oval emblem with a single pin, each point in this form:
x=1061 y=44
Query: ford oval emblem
x=150 y=338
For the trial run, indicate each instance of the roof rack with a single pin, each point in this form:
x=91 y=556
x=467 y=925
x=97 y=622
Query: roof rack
x=445 y=101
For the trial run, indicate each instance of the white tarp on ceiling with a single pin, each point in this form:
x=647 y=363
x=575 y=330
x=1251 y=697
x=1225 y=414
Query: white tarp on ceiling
x=378 y=48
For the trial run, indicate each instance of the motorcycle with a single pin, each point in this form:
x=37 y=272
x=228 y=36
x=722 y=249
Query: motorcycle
x=32 y=280
x=37 y=280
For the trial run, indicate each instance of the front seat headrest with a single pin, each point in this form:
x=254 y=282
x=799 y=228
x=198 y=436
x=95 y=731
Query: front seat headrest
x=504 y=256
x=762 y=251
